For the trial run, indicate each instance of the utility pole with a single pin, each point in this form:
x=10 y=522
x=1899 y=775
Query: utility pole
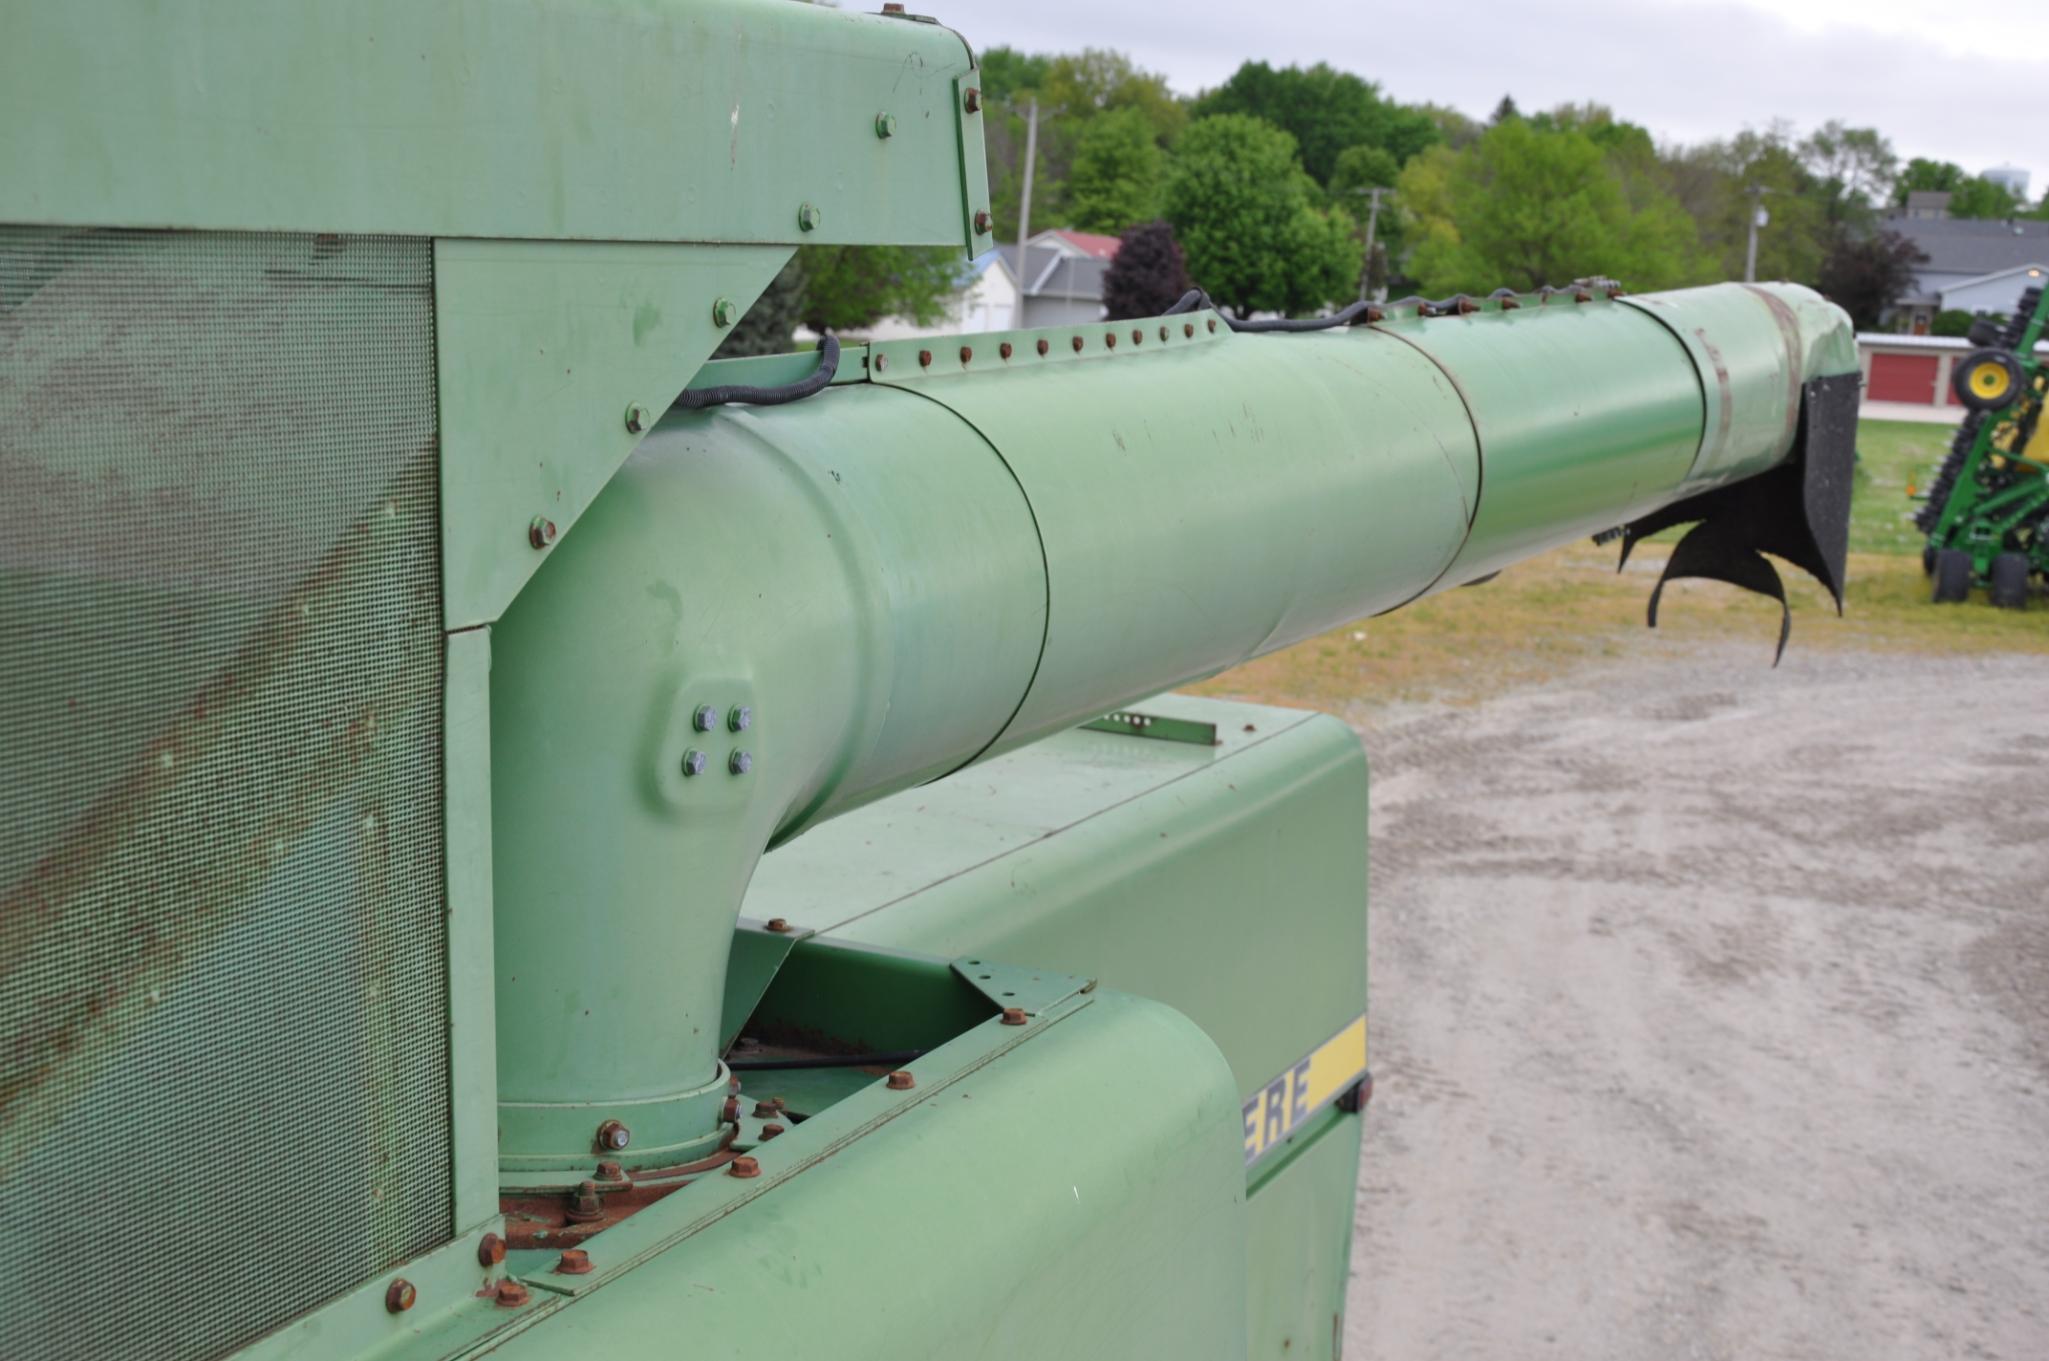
x=1024 y=208
x=1758 y=218
x=1372 y=222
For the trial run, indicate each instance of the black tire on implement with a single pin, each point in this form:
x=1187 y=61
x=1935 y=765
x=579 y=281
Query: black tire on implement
x=2009 y=586
x=1928 y=561
x=1952 y=576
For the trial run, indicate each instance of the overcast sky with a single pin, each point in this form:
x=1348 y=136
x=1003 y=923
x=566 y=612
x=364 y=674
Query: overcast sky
x=1941 y=80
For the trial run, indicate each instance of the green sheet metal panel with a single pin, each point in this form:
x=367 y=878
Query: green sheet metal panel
x=1298 y=1247
x=1228 y=882
x=609 y=120
x=1078 y=1196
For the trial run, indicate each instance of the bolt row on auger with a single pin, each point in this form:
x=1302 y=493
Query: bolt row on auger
x=1987 y=511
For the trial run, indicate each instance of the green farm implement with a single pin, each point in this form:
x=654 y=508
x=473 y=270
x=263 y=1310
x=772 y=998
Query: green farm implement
x=1987 y=513
x=519 y=839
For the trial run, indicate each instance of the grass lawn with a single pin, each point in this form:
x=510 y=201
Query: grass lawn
x=1541 y=617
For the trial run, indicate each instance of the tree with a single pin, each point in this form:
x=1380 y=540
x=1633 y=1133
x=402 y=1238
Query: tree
x=1148 y=274
x=1325 y=110
x=1360 y=169
x=1923 y=176
x=847 y=288
x=1115 y=178
x=1978 y=197
x=1724 y=183
x=1865 y=275
x=1246 y=215
x=1524 y=207
x=1504 y=111
x=1854 y=168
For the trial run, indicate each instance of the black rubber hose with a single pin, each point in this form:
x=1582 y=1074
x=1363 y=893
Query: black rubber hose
x=1195 y=297
x=695 y=399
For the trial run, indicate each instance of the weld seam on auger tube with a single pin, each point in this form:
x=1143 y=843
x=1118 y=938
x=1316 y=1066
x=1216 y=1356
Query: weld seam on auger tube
x=817 y=381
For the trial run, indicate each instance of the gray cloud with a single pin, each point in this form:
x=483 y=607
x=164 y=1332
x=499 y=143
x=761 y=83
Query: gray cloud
x=1687 y=73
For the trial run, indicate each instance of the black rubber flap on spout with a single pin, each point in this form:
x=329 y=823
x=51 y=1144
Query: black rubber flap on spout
x=1799 y=511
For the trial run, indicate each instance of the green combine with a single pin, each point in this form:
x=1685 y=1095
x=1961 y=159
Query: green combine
x=1987 y=512
x=518 y=839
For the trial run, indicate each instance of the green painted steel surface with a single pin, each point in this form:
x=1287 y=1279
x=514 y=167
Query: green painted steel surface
x=1299 y=1224
x=542 y=348
x=878 y=615
x=1130 y=862
x=992 y=1218
x=609 y=120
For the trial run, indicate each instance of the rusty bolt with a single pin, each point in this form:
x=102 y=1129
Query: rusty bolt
x=400 y=1296
x=541 y=532
x=613 y=1136
x=743 y=1167
x=1188 y=328
x=740 y=762
x=574 y=1262
x=1213 y=323
x=779 y=924
x=1581 y=295
x=585 y=1206
x=764 y=1108
x=901 y=1081
x=724 y=312
x=1013 y=1016
x=611 y=1171
x=885 y=123
x=1110 y=339
x=638 y=418
x=967 y=354
x=982 y=221
x=511 y=1294
x=1163 y=333
x=1137 y=336
x=731 y=1110
x=881 y=362
x=1044 y=346
x=972 y=100
x=924 y=359
x=694 y=762
x=892 y=7
x=808 y=217
x=490 y=1250
x=769 y=1131
x=1077 y=344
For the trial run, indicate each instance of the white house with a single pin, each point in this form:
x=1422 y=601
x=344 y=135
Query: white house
x=1972 y=266
x=1063 y=285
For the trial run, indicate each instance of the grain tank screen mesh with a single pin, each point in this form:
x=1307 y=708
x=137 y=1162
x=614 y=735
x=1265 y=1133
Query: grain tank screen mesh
x=223 y=996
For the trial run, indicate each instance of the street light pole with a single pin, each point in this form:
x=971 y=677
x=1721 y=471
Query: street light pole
x=1372 y=222
x=1024 y=207
x=1758 y=218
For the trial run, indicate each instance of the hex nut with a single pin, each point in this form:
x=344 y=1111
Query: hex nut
x=1013 y=1016
x=1044 y=346
x=638 y=418
x=704 y=718
x=730 y=1112
x=490 y=1250
x=724 y=312
x=694 y=762
x=739 y=718
x=511 y=1294
x=1003 y=350
x=611 y=1171
x=770 y=1130
x=779 y=925
x=743 y=1167
x=400 y=1296
x=763 y=1109
x=924 y=359
x=972 y=100
x=982 y=222
x=1077 y=344
x=614 y=1136
x=901 y=1081
x=740 y=762
x=808 y=217
x=967 y=354
x=885 y=125
x=541 y=532
x=881 y=362
x=574 y=1262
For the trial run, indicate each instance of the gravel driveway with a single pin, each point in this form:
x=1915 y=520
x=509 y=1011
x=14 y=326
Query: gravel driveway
x=1710 y=1014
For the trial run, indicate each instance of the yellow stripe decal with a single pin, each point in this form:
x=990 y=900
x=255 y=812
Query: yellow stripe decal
x=1282 y=1106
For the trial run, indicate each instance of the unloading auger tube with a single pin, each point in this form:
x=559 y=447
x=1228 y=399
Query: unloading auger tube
x=773 y=615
